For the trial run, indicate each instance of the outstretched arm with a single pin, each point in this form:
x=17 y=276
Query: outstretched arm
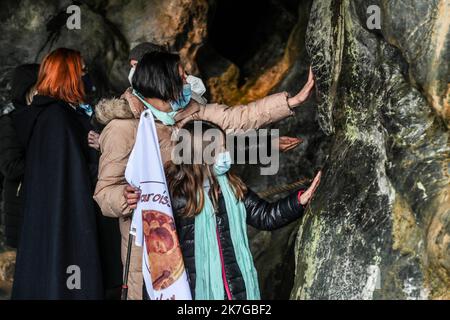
x=259 y=113
x=268 y=216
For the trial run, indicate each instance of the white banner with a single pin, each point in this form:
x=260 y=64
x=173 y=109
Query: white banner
x=153 y=224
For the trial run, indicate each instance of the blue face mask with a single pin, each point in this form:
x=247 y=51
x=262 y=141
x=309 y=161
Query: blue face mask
x=86 y=108
x=184 y=100
x=223 y=163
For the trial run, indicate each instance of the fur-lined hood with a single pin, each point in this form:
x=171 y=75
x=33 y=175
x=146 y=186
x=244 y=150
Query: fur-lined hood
x=126 y=107
x=110 y=109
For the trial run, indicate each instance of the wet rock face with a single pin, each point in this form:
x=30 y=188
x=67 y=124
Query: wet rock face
x=31 y=29
x=379 y=226
x=421 y=32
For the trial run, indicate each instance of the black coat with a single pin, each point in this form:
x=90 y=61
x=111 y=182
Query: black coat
x=60 y=227
x=12 y=165
x=261 y=215
x=12 y=160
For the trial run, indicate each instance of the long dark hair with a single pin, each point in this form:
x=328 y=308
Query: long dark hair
x=186 y=180
x=157 y=75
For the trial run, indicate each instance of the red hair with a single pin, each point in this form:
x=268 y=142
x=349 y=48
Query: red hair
x=60 y=76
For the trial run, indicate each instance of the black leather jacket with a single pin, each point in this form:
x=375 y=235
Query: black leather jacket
x=260 y=214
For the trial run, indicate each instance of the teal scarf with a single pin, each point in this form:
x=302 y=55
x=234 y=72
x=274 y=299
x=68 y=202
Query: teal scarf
x=167 y=118
x=209 y=283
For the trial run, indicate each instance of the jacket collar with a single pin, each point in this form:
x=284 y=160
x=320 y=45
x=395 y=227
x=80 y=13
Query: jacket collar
x=42 y=101
x=130 y=107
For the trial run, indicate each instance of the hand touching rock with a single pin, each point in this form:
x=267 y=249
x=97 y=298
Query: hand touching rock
x=288 y=143
x=305 y=93
x=307 y=195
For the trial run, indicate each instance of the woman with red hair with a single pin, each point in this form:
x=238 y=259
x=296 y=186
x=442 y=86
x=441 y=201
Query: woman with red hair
x=58 y=256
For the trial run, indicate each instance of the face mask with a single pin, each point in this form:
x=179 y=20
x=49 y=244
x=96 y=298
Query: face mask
x=223 y=163
x=131 y=74
x=86 y=108
x=88 y=85
x=197 y=85
x=167 y=118
x=184 y=99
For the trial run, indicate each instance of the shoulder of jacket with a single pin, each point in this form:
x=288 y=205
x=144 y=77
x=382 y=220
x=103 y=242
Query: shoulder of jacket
x=120 y=127
x=58 y=111
x=108 y=110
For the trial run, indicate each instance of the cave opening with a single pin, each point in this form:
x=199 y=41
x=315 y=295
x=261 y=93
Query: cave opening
x=251 y=34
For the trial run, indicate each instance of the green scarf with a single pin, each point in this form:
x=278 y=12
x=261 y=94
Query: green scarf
x=167 y=118
x=209 y=283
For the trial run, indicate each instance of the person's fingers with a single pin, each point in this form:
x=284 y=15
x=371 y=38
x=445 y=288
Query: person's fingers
x=316 y=178
x=132 y=201
x=293 y=145
x=310 y=85
x=93 y=134
x=130 y=191
x=315 y=183
x=131 y=196
x=132 y=206
x=285 y=144
x=311 y=74
x=310 y=78
x=289 y=140
x=290 y=147
x=130 y=188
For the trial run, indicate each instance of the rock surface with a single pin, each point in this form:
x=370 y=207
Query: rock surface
x=379 y=226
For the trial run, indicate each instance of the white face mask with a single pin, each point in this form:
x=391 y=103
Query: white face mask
x=197 y=85
x=131 y=74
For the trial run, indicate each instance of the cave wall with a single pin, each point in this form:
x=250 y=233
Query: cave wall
x=109 y=28
x=378 y=124
x=379 y=226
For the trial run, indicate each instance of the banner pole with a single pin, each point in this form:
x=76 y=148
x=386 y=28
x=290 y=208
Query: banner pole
x=124 y=295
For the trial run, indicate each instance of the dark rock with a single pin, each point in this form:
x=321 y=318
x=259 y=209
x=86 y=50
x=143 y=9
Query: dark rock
x=181 y=25
x=378 y=227
x=31 y=29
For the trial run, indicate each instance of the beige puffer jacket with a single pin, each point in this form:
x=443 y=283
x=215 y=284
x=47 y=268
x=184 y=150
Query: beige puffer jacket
x=121 y=117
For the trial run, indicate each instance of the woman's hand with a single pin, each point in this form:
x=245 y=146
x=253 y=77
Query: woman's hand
x=132 y=196
x=307 y=195
x=288 y=143
x=93 y=140
x=305 y=93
